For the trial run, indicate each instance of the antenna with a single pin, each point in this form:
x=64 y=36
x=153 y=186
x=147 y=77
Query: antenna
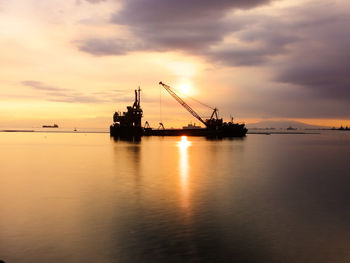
x=160 y=104
x=139 y=99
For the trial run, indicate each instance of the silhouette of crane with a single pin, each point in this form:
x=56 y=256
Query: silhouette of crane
x=209 y=123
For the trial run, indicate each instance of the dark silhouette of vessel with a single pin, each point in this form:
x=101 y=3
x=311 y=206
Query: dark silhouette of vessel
x=50 y=126
x=191 y=126
x=128 y=124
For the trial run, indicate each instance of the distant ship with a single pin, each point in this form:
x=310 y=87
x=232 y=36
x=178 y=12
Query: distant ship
x=50 y=126
x=191 y=126
x=290 y=128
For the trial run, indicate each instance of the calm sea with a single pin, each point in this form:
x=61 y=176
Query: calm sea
x=84 y=197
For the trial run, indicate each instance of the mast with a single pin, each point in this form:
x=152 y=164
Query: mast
x=136 y=104
x=139 y=99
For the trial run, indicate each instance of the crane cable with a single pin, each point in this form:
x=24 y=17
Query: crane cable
x=190 y=109
x=189 y=97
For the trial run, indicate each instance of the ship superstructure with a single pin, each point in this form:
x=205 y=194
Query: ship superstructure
x=128 y=123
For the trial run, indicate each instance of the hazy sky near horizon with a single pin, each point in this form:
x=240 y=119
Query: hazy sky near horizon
x=75 y=62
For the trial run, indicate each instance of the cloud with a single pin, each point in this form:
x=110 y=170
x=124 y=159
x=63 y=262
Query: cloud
x=260 y=39
x=76 y=98
x=78 y=2
x=95 y=1
x=165 y=13
x=52 y=93
x=320 y=62
x=56 y=94
x=40 y=86
x=325 y=74
x=109 y=46
x=196 y=27
x=169 y=25
x=304 y=45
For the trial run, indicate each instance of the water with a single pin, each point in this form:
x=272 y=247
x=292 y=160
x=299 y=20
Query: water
x=68 y=197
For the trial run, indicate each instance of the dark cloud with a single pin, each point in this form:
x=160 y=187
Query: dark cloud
x=241 y=56
x=261 y=38
x=177 y=13
x=327 y=75
x=321 y=62
x=169 y=25
x=305 y=46
x=110 y=46
x=194 y=27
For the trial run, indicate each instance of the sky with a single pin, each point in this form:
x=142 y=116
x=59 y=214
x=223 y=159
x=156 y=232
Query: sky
x=75 y=62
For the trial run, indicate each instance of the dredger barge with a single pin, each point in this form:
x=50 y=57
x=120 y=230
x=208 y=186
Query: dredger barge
x=129 y=123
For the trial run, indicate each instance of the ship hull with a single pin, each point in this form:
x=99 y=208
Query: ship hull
x=239 y=132
x=124 y=131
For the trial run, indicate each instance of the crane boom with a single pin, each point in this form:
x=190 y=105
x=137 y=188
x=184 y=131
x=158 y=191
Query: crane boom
x=184 y=104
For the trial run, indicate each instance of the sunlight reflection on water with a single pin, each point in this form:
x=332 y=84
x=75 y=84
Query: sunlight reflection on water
x=89 y=198
x=184 y=170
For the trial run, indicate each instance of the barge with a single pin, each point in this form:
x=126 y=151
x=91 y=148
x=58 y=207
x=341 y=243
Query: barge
x=129 y=123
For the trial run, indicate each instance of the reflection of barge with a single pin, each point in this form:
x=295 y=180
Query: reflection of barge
x=128 y=124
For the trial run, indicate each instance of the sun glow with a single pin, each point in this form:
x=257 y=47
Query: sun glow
x=185 y=88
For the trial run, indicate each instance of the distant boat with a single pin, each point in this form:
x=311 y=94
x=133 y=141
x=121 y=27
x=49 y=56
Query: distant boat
x=191 y=126
x=290 y=128
x=50 y=126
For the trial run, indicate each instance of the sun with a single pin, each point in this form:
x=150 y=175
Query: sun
x=185 y=88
